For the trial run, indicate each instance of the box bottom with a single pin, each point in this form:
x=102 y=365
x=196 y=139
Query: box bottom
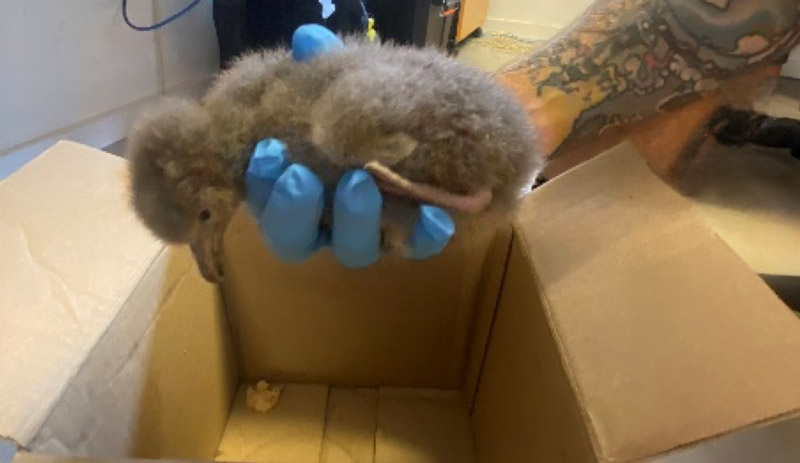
x=322 y=424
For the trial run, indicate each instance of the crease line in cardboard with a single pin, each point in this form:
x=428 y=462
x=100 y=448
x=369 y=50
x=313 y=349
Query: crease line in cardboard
x=41 y=263
x=472 y=287
x=169 y=294
x=36 y=426
x=56 y=282
x=495 y=309
x=233 y=331
x=325 y=422
x=589 y=421
x=377 y=425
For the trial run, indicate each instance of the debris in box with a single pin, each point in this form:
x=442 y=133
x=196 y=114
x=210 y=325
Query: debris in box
x=263 y=397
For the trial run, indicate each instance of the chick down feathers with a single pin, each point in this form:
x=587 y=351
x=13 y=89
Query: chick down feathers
x=429 y=127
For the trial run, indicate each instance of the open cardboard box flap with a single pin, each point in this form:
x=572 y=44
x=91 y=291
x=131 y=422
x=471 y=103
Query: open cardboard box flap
x=106 y=336
x=64 y=278
x=613 y=326
x=665 y=336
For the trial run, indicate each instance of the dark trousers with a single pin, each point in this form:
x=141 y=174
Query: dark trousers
x=244 y=25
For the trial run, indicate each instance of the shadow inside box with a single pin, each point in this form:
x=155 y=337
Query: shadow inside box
x=786 y=287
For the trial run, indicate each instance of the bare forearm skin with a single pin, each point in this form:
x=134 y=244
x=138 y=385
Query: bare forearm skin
x=626 y=60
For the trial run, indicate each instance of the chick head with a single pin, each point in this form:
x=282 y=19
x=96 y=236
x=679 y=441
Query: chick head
x=181 y=189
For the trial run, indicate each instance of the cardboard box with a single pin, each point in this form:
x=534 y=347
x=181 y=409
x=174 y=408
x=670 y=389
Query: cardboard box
x=610 y=325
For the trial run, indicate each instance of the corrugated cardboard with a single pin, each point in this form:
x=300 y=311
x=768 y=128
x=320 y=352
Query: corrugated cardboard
x=112 y=344
x=291 y=432
x=168 y=346
x=619 y=327
x=54 y=300
x=663 y=334
x=350 y=426
x=422 y=426
x=399 y=322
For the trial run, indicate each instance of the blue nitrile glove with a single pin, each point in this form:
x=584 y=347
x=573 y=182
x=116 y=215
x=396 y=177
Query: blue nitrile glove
x=288 y=199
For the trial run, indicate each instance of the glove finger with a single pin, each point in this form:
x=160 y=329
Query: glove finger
x=356 y=233
x=266 y=165
x=432 y=233
x=311 y=40
x=290 y=222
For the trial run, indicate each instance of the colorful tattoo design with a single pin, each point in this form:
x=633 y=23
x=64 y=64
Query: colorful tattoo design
x=625 y=59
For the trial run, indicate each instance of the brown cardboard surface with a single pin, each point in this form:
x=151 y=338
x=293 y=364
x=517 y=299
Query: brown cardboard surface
x=351 y=422
x=65 y=274
x=316 y=424
x=289 y=433
x=626 y=328
x=399 y=322
x=190 y=378
x=491 y=286
x=27 y=457
x=525 y=409
x=422 y=426
x=667 y=337
x=106 y=334
x=160 y=381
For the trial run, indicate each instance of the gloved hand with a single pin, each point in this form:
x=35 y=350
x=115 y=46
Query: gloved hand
x=288 y=199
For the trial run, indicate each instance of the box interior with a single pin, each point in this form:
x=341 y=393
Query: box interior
x=611 y=324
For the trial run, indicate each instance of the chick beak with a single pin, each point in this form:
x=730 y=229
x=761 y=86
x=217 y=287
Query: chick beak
x=207 y=250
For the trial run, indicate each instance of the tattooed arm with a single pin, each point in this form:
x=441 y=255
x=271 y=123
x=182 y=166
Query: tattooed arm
x=625 y=60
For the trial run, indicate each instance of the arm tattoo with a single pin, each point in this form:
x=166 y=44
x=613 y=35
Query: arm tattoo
x=624 y=59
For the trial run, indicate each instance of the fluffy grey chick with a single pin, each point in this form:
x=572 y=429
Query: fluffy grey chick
x=430 y=130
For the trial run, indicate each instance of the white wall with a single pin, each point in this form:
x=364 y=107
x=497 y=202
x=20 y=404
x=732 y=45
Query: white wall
x=74 y=70
x=535 y=19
